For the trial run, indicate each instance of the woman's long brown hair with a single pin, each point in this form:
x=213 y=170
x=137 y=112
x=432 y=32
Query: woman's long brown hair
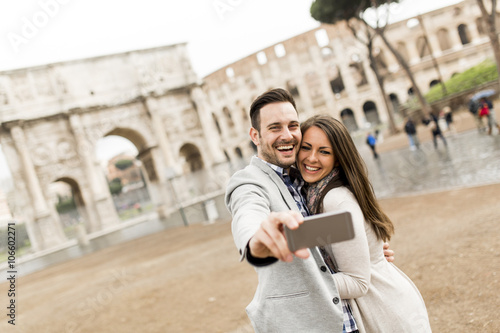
x=353 y=174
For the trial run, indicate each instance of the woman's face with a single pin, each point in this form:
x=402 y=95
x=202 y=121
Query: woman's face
x=315 y=159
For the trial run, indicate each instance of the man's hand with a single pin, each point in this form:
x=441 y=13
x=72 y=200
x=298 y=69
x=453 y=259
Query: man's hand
x=388 y=253
x=270 y=241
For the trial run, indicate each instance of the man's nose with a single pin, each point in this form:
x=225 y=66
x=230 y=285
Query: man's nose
x=286 y=134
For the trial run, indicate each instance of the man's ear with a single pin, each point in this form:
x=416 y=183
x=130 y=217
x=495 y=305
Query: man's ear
x=254 y=136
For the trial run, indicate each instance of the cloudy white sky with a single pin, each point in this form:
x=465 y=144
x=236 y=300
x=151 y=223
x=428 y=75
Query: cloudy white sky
x=218 y=32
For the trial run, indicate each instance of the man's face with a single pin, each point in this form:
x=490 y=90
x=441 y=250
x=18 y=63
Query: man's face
x=279 y=137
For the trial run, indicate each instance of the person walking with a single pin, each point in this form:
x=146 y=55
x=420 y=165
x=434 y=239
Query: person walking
x=372 y=141
x=411 y=131
x=490 y=115
x=436 y=130
x=296 y=292
x=473 y=109
x=382 y=297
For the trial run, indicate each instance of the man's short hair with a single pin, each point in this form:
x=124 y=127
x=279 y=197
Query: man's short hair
x=276 y=95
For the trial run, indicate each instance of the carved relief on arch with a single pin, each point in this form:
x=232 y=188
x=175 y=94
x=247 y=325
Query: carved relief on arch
x=4 y=97
x=42 y=155
x=22 y=87
x=65 y=149
x=190 y=119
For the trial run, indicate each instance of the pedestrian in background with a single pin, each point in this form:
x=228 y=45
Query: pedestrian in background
x=371 y=141
x=432 y=122
x=483 y=112
x=473 y=108
x=411 y=131
x=492 y=121
x=448 y=117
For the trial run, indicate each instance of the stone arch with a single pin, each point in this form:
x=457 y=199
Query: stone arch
x=349 y=120
x=357 y=70
x=216 y=123
x=71 y=218
x=335 y=78
x=193 y=159
x=433 y=83
x=394 y=102
x=291 y=86
x=227 y=114
x=463 y=33
x=403 y=51
x=141 y=181
x=371 y=112
x=444 y=39
x=422 y=47
x=144 y=150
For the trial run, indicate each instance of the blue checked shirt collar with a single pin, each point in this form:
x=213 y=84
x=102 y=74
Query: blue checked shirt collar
x=295 y=185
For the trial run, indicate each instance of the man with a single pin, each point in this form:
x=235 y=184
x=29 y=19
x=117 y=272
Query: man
x=371 y=142
x=411 y=131
x=294 y=294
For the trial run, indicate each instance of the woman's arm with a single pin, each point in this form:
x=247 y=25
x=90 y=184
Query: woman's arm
x=353 y=256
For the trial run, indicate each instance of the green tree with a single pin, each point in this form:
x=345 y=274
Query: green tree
x=123 y=164
x=333 y=11
x=65 y=204
x=115 y=186
x=489 y=18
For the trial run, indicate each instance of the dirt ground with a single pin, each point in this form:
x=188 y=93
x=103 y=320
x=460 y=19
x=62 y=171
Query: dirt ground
x=189 y=279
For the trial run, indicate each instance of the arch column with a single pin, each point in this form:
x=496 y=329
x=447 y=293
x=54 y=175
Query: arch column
x=152 y=109
x=304 y=98
x=45 y=219
x=207 y=124
x=101 y=201
x=162 y=160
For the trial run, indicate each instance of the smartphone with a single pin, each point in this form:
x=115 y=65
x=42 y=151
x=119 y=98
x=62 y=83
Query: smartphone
x=321 y=229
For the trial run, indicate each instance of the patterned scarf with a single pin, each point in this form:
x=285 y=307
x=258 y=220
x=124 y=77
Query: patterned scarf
x=314 y=190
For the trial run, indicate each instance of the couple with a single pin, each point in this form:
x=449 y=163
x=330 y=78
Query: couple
x=300 y=292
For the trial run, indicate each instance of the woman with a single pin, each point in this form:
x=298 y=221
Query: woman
x=382 y=298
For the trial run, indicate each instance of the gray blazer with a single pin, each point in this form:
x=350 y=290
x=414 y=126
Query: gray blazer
x=300 y=296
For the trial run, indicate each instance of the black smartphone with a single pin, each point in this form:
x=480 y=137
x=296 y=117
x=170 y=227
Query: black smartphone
x=321 y=229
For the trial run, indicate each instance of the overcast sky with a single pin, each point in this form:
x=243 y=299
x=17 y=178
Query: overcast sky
x=218 y=32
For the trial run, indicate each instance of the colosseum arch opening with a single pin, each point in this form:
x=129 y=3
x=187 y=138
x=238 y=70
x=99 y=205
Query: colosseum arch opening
x=349 y=120
x=371 y=113
x=192 y=157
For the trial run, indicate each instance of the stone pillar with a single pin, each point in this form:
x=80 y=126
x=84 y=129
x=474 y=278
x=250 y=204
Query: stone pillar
x=152 y=108
x=304 y=97
x=100 y=196
x=207 y=124
x=456 y=43
x=473 y=33
x=162 y=159
x=46 y=221
x=413 y=55
x=322 y=72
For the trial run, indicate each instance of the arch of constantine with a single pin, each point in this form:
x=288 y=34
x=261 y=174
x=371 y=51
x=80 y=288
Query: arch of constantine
x=53 y=115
